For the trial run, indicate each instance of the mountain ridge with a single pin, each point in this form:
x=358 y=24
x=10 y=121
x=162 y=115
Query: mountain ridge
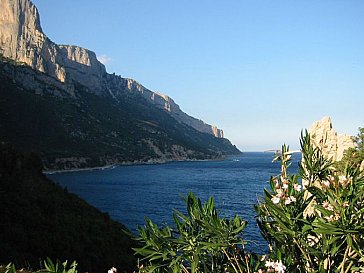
x=22 y=39
x=59 y=102
x=79 y=129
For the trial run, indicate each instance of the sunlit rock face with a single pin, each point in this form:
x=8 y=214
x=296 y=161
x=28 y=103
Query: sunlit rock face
x=22 y=40
x=328 y=140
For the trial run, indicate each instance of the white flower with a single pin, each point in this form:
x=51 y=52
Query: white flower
x=279 y=267
x=275 y=199
x=285 y=186
x=325 y=184
x=112 y=270
x=342 y=179
x=297 y=187
x=290 y=200
x=287 y=201
x=275 y=266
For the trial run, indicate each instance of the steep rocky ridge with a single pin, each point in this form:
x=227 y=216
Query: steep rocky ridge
x=22 y=40
x=71 y=127
x=331 y=143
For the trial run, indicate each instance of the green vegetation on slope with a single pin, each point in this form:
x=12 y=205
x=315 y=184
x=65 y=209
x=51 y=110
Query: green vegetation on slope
x=93 y=130
x=39 y=219
x=353 y=156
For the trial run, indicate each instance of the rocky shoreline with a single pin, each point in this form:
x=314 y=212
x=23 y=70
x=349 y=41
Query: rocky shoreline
x=129 y=163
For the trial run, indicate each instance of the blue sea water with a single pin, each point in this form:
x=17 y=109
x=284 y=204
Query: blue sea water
x=131 y=193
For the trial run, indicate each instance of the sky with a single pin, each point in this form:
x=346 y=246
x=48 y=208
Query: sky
x=262 y=70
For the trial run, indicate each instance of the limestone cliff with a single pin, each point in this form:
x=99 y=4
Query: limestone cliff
x=331 y=143
x=22 y=40
x=165 y=102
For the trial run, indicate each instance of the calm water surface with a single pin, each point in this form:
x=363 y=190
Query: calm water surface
x=131 y=193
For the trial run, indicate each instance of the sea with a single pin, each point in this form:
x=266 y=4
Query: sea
x=131 y=193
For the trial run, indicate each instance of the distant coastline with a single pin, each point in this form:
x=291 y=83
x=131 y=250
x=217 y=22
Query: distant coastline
x=129 y=163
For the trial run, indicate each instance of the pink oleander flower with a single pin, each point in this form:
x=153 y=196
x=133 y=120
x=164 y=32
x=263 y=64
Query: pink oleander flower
x=275 y=199
x=280 y=193
x=289 y=200
x=337 y=217
x=327 y=205
x=331 y=179
x=297 y=187
x=333 y=217
x=325 y=184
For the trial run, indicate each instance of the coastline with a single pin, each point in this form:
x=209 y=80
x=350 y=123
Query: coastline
x=129 y=163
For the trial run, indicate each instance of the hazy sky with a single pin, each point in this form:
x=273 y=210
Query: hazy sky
x=262 y=70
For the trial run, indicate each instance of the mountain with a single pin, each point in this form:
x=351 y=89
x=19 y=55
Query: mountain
x=59 y=101
x=40 y=219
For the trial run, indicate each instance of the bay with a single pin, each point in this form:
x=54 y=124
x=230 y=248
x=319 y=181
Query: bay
x=131 y=193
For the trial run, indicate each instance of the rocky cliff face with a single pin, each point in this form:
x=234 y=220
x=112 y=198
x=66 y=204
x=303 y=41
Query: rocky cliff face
x=331 y=143
x=22 y=40
x=165 y=102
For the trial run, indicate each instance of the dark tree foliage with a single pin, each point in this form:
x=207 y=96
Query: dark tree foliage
x=40 y=219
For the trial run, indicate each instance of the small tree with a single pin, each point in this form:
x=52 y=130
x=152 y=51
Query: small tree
x=353 y=156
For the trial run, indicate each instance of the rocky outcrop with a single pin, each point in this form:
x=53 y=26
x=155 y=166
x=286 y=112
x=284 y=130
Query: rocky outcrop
x=165 y=102
x=22 y=40
x=330 y=142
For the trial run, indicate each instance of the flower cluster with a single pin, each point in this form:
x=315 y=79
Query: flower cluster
x=342 y=181
x=275 y=266
x=282 y=192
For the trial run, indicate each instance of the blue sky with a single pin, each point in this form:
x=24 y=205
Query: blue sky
x=262 y=70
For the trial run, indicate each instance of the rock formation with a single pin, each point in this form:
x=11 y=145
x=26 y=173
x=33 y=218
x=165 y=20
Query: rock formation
x=22 y=40
x=165 y=102
x=332 y=144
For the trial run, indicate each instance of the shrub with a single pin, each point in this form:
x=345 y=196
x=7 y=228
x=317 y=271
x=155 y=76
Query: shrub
x=201 y=241
x=312 y=220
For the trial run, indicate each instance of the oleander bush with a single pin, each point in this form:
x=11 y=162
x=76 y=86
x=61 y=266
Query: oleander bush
x=313 y=221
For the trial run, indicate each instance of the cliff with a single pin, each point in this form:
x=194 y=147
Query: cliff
x=22 y=40
x=331 y=143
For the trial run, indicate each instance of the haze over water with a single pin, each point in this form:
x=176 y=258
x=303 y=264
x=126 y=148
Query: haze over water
x=131 y=193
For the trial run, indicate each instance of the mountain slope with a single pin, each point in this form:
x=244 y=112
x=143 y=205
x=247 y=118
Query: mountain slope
x=39 y=219
x=90 y=130
x=58 y=101
x=22 y=40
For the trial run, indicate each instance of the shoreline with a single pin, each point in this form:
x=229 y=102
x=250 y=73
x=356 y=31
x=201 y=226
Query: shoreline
x=112 y=166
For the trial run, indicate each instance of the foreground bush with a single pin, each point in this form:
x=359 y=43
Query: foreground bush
x=40 y=219
x=312 y=220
